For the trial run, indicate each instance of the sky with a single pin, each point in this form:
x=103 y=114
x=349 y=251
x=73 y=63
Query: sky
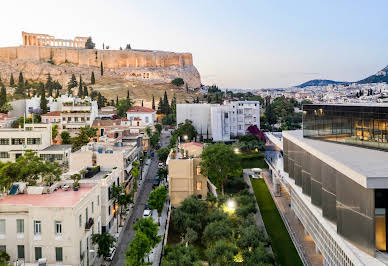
x=235 y=44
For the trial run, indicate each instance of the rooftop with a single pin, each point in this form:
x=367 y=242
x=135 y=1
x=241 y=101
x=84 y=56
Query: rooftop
x=58 y=147
x=59 y=198
x=140 y=109
x=55 y=113
x=367 y=167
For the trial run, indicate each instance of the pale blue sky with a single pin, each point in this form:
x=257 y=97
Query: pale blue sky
x=235 y=44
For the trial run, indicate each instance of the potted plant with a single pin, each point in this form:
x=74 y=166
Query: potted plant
x=75 y=178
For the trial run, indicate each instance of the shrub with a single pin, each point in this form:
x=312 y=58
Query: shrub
x=177 y=82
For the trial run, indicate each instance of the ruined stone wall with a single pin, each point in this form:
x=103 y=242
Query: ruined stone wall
x=92 y=58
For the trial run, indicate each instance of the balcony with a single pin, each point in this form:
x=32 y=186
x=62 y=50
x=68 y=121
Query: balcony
x=89 y=223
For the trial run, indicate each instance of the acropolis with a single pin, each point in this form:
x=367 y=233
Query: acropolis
x=38 y=39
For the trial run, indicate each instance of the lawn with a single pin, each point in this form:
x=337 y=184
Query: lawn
x=282 y=245
x=247 y=162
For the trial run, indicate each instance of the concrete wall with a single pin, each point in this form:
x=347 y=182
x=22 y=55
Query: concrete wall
x=93 y=58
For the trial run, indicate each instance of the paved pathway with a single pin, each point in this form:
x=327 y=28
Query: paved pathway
x=137 y=212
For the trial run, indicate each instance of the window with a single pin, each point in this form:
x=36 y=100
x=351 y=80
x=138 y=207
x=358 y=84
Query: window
x=17 y=141
x=80 y=220
x=199 y=185
x=4 y=141
x=33 y=141
x=58 y=254
x=58 y=227
x=226 y=115
x=37 y=227
x=4 y=154
x=146 y=119
x=47 y=120
x=2 y=226
x=3 y=248
x=76 y=119
x=198 y=170
x=20 y=252
x=87 y=118
x=82 y=119
x=38 y=253
x=98 y=200
x=92 y=207
x=19 y=226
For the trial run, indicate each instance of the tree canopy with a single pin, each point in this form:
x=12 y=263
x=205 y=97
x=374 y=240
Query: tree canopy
x=157 y=199
x=105 y=241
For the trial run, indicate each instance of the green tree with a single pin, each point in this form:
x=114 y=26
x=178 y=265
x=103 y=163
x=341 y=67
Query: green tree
x=173 y=105
x=221 y=253
x=65 y=136
x=43 y=101
x=142 y=103
x=105 y=242
x=163 y=154
x=250 y=237
x=216 y=231
x=128 y=47
x=11 y=81
x=148 y=131
x=218 y=163
x=51 y=172
x=165 y=104
x=162 y=173
x=128 y=94
x=123 y=106
x=153 y=102
x=158 y=128
x=54 y=131
x=187 y=129
x=84 y=136
x=89 y=43
x=102 y=69
x=80 y=88
x=49 y=85
x=58 y=88
x=4 y=258
x=92 y=78
x=71 y=84
x=157 y=199
x=3 y=95
x=150 y=229
x=86 y=93
x=137 y=250
x=177 y=82
x=180 y=255
x=191 y=214
x=258 y=256
x=21 y=79
x=121 y=198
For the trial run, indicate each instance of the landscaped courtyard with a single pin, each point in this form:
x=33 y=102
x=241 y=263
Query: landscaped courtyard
x=282 y=245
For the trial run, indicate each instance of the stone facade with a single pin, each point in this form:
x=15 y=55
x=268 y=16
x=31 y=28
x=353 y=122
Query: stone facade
x=37 y=39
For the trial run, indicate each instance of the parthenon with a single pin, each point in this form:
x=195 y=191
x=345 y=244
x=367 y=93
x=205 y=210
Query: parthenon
x=37 y=39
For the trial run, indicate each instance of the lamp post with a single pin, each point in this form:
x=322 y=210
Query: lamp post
x=185 y=137
x=236 y=150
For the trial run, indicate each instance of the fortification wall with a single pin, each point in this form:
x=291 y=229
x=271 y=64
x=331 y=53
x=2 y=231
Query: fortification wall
x=93 y=58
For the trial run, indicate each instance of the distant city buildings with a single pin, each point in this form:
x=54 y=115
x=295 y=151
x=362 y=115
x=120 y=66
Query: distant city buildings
x=221 y=122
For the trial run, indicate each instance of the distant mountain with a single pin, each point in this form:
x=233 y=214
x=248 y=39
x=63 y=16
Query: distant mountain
x=319 y=82
x=381 y=76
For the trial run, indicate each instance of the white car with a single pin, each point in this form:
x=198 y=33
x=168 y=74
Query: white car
x=112 y=252
x=161 y=165
x=147 y=213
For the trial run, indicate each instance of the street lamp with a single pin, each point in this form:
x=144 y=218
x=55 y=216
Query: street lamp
x=185 y=137
x=230 y=206
x=236 y=150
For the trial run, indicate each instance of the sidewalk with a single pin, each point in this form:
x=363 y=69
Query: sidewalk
x=156 y=252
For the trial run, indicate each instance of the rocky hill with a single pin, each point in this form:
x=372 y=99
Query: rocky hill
x=319 y=82
x=381 y=76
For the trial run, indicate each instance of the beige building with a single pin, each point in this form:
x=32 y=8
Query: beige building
x=184 y=173
x=55 y=227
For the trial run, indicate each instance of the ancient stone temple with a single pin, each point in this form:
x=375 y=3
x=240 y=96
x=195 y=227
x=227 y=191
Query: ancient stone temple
x=37 y=39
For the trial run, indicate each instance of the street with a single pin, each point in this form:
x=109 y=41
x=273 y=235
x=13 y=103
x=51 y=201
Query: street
x=137 y=213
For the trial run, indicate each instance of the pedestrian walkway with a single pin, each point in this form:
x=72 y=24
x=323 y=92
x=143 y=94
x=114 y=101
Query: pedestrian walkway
x=156 y=253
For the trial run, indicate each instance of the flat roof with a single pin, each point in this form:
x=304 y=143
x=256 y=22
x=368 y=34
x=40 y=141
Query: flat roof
x=365 y=166
x=58 y=147
x=59 y=198
x=99 y=175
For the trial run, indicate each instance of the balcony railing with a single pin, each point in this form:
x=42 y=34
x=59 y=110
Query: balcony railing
x=89 y=223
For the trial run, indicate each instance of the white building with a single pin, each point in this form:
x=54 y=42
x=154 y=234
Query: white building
x=55 y=227
x=36 y=137
x=141 y=116
x=221 y=122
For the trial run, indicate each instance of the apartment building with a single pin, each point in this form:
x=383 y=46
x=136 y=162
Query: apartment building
x=335 y=170
x=55 y=228
x=221 y=122
x=36 y=137
x=184 y=173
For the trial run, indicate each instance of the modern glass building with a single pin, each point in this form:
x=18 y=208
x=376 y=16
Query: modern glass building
x=363 y=125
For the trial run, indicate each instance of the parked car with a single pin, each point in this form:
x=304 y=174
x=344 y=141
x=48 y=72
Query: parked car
x=147 y=213
x=156 y=182
x=161 y=165
x=112 y=252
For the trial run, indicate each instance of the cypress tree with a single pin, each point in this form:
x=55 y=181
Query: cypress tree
x=127 y=94
x=86 y=93
x=21 y=80
x=11 y=80
x=3 y=95
x=49 y=85
x=80 y=88
x=102 y=69
x=166 y=106
x=207 y=133
x=153 y=102
x=43 y=101
x=142 y=104
x=160 y=106
x=117 y=100
x=92 y=79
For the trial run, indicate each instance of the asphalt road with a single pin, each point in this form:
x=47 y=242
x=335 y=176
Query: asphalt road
x=137 y=213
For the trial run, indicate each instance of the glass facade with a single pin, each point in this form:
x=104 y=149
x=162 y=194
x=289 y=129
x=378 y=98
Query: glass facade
x=362 y=125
